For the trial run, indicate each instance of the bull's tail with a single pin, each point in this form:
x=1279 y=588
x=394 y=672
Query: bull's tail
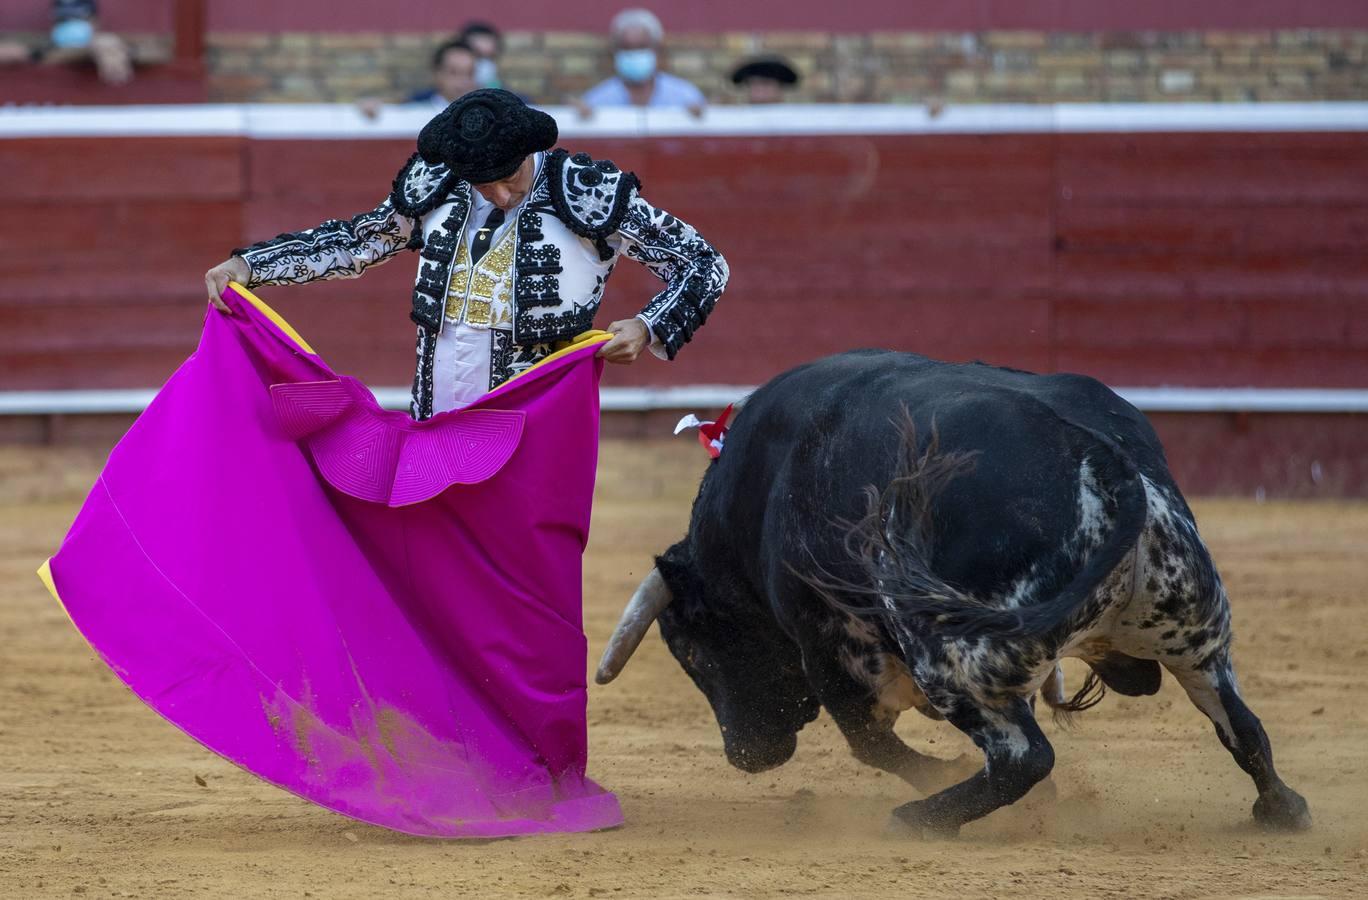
x=895 y=540
x=1065 y=708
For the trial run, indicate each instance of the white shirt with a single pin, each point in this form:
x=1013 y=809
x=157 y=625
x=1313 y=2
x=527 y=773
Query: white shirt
x=480 y=208
x=460 y=368
x=668 y=90
x=460 y=365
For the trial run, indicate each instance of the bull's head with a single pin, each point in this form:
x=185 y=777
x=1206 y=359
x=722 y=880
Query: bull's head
x=732 y=648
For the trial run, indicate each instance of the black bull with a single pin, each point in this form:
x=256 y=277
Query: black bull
x=885 y=531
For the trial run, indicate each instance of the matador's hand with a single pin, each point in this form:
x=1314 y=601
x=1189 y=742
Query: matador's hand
x=630 y=337
x=234 y=268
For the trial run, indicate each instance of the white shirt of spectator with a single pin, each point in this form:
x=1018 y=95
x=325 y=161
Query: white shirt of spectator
x=669 y=90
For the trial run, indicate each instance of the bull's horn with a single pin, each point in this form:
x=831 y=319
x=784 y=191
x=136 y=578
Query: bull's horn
x=649 y=600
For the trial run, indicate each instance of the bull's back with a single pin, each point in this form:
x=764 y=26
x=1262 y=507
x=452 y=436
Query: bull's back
x=808 y=444
x=863 y=388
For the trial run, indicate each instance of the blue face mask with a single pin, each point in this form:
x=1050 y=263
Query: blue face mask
x=635 y=66
x=72 y=33
x=486 y=73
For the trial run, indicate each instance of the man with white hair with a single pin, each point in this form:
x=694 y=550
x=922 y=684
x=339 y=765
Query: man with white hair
x=638 y=80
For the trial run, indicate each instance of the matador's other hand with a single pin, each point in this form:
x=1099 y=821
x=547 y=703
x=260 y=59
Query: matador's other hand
x=234 y=268
x=630 y=337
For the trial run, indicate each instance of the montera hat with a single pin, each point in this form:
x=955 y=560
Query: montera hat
x=485 y=135
x=773 y=67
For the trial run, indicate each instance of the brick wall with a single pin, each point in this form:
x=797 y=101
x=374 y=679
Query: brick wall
x=147 y=49
x=991 y=66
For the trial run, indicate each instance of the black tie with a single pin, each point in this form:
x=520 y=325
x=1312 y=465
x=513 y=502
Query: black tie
x=485 y=236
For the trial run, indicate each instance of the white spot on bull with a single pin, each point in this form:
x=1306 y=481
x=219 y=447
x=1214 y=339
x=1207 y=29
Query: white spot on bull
x=1201 y=689
x=1024 y=590
x=1006 y=735
x=1092 y=517
x=1093 y=525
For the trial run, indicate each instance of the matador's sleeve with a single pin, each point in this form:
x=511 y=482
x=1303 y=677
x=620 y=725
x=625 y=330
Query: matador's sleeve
x=693 y=271
x=336 y=249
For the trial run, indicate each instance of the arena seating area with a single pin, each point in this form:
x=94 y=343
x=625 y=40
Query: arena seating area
x=1135 y=243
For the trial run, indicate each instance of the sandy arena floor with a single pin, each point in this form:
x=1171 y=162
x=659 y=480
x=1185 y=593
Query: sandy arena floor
x=101 y=798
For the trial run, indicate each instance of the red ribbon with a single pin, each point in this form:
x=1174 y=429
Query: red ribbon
x=712 y=434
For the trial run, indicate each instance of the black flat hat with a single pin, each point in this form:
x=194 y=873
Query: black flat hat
x=485 y=135
x=765 y=67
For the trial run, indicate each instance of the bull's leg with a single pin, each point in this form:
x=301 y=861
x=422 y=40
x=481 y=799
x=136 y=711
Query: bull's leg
x=873 y=743
x=1214 y=691
x=1016 y=754
x=869 y=729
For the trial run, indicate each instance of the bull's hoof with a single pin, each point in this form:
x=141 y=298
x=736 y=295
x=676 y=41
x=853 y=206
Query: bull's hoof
x=1282 y=809
x=911 y=821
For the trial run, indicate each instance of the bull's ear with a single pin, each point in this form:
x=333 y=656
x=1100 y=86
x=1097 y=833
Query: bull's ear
x=676 y=566
x=650 y=599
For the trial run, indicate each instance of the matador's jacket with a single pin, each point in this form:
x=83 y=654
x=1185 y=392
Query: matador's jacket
x=542 y=287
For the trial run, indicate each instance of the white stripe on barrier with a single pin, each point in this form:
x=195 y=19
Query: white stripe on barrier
x=1258 y=400
x=170 y=120
x=707 y=397
x=341 y=121
x=1102 y=117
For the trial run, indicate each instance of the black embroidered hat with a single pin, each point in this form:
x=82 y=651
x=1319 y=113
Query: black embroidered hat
x=773 y=67
x=485 y=135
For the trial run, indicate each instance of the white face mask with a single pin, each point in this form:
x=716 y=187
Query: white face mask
x=486 y=73
x=72 y=33
x=635 y=66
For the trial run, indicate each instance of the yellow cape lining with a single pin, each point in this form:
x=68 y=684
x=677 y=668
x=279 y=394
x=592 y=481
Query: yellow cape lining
x=45 y=576
x=273 y=316
x=581 y=340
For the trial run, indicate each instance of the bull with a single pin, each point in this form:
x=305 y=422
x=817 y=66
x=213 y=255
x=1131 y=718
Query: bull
x=885 y=531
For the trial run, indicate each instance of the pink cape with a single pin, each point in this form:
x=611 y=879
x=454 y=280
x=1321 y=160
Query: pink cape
x=380 y=615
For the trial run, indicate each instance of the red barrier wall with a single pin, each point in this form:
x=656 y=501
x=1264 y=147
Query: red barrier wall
x=1184 y=259
x=1150 y=259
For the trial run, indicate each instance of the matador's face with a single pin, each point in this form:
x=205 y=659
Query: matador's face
x=509 y=192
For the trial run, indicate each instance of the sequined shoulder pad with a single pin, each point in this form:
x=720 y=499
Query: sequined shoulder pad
x=420 y=187
x=590 y=196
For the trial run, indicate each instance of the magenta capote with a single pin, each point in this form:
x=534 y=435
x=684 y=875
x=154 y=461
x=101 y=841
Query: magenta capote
x=380 y=615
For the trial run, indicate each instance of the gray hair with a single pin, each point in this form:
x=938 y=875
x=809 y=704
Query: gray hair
x=637 y=18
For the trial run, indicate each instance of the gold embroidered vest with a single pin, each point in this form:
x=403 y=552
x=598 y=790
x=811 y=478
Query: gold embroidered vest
x=482 y=295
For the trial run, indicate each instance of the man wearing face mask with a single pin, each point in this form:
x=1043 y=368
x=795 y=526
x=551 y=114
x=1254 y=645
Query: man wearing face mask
x=517 y=241
x=76 y=38
x=455 y=68
x=462 y=64
x=486 y=42
x=637 y=36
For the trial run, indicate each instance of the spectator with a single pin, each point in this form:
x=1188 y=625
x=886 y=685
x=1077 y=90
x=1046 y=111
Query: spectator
x=487 y=43
x=76 y=38
x=454 y=67
x=765 y=78
x=453 y=76
x=640 y=80
x=13 y=53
